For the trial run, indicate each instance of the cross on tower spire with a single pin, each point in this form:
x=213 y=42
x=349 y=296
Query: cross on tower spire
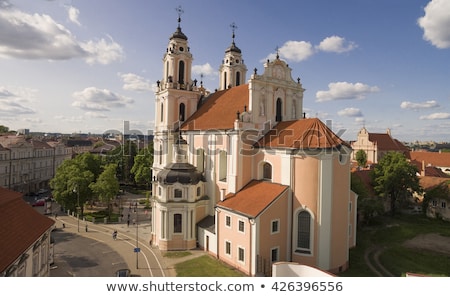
x=233 y=29
x=278 y=51
x=180 y=11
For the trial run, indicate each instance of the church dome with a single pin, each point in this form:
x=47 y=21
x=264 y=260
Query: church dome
x=233 y=48
x=183 y=173
x=178 y=34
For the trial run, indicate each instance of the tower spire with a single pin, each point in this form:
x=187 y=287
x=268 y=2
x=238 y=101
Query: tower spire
x=180 y=11
x=233 y=29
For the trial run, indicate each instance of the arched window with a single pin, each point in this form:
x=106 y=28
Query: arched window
x=182 y=109
x=201 y=160
x=162 y=112
x=238 y=78
x=267 y=171
x=181 y=72
x=160 y=153
x=303 y=232
x=279 y=110
x=224 y=80
x=177 y=223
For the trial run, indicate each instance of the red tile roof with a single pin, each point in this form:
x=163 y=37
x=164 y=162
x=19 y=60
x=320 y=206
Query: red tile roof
x=305 y=133
x=428 y=182
x=219 y=110
x=385 y=142
x=431 y=158
x=253 y=198
x=20 y=226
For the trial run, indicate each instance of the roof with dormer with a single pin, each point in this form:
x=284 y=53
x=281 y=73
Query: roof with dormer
x=218 y=111
x=20 y=226
x=301 y=134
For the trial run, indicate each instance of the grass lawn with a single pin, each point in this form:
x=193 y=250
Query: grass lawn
x=390 y=233
x=205 y=266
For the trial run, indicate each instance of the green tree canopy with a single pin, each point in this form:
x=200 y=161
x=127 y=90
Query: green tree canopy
x=70 y=186
x=395 y=178
x=142 y=167
x=361 y=158
x=106 y=187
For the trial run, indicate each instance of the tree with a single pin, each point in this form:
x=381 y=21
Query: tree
x=123 y=156
x=4 y=129
x=106 y=187
x=142 y=167
x=394 y=178
x=439 y=192
x=361 y=158
x=70 y=186
x=368 y=206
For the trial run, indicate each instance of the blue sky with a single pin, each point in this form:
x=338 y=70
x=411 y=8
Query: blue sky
x=87 y=66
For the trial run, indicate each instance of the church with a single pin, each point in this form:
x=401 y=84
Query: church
x=242 y=173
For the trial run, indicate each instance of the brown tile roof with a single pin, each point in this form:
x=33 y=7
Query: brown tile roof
x=219 y=110
x=431 y=158
x=385 y=142
x=20 y=226
x=253 y=198
x=428 y=182
x=298 y=134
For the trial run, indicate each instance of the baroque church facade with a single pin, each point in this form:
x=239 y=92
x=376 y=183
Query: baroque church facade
x=242 y=173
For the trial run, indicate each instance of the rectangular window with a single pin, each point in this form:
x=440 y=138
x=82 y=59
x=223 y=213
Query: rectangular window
x=275 y=226
x=274 y=255
x=177 y=223
x=443 y=204
x=178 y=193
x=241 y=226
x=241 y=254
x=228 y=221
x=227 y=247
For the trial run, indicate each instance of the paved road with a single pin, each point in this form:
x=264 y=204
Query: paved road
x=83 y=250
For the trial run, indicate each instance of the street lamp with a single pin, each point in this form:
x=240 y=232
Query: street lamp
x=75 y=190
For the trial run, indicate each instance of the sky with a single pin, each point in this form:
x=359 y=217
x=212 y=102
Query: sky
x=83 y=66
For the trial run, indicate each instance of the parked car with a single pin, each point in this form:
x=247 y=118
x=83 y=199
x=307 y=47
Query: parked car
x=123 y=273
x=39 y=202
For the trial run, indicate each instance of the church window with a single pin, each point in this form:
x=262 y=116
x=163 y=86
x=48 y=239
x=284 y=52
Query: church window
x=241 y=226
x=238 y=78
x=278 y=117
x=199 y=191
x=181 y=72
x=228 y=221
x=227 y=247
x=303 y=232
x=241 y=254
x=274 y=255
x=182 y=110
x=178 y=193
x=224 y=80
x=201 y=160
x=177 y=223
x=162 y=112
x=267 y=171
x=275 y=227
x=223 y=166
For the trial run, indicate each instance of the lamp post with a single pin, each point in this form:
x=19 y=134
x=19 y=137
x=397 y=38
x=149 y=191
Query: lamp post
x=137 y=238
x=75 y=190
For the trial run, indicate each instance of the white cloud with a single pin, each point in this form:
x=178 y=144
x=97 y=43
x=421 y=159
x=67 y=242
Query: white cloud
x=134 y=82
x=436 y=23
x=420 y=105
x=38 y=36
x=436 y=116
x=350 y=112
x=102 y=51
x=336 y=44
x=95 y=115
x=345 y=90
x=11 y=103
x=73 y=14
x=294 y=51
x=94 y=99
x=204 y=69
